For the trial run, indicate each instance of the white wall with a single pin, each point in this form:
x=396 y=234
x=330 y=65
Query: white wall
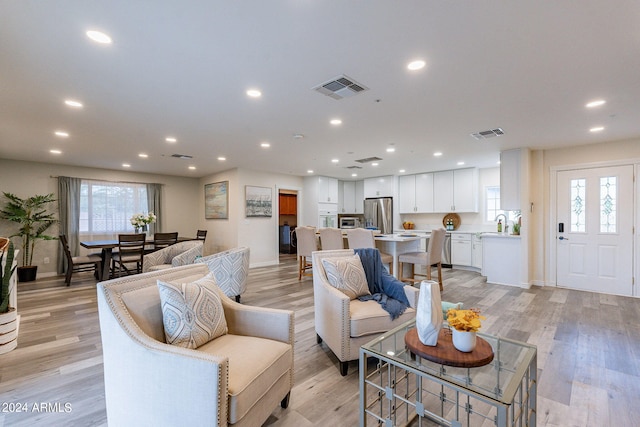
x=26 y=179
x=259 y=234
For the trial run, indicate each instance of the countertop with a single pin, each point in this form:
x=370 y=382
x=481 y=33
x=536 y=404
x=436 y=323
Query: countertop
x=493 y=234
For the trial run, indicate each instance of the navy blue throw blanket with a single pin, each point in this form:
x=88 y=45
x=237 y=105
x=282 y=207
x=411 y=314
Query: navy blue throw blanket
x=385 y=289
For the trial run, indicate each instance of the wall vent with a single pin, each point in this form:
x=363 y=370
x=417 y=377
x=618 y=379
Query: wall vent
x=369 y=159
x=488 y=134
x=182 y=156
x=340 y=87
x=353 y=167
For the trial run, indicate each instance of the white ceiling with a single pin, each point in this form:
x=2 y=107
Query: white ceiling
x=181 y=68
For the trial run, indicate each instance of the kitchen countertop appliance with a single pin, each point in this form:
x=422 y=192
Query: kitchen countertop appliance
x=349 y=222
x=378 y=214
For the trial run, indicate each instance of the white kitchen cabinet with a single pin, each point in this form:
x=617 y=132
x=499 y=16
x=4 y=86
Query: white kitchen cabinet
x=476 y=251
x=455 y=190
x=381 y=186
x=415 y=193
x=351 y=197
x=327 y=190
x=461 y=249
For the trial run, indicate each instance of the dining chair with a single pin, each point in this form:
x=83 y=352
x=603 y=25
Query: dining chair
x=307 y=243
x=359 y=238
x=432 y=257
x=76 y=264
x=130 y=254
x=201 y=235
x=331 y=238
x=162 y=240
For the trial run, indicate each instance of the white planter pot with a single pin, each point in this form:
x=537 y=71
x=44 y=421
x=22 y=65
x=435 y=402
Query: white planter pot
x=8 y=330
x=464 y=341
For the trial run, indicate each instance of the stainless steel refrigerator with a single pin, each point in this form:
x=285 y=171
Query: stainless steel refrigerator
x=378 y=213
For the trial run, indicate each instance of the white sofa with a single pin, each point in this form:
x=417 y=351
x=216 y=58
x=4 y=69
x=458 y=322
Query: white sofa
x=344 y=324
x=238 y=378
x=181 y=253
x=231 y=268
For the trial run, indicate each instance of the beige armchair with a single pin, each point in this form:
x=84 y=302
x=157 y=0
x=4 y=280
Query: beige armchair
x=182 y=253
x=231 y=268
x=345 y=324
x=237 y=379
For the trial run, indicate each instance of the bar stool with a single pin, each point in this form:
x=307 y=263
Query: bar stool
x=432 y=257
x=306 y=244
x=360 y=238
x=331 y=238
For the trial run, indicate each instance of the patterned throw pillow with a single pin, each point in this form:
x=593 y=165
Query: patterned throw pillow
x=192 y=313
x=347 y=275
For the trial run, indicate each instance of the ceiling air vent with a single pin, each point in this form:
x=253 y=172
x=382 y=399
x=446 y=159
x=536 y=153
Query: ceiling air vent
x=369 y=159
x=340 y=87
x=488 y=134
x=353 y=167
x=182 y=156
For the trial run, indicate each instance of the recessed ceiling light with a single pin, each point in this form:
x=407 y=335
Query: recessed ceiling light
x=310 y=171
x=336 y=122
x=402 y=171
x=126 y=165
x=335 y=160
x=596 y=103
x=55 y=151
x=374 y=164
x=99 y=37
x=298 y=136
x=416 y=65
x=192 y=168
x=437 y=154
x=354 y=175
x=143 y=155
x=73 y=103
x=61 y=134
x=390 y=150
x=498 y=162
x=597 y=129
x=254 y=93
x=265 y=145
x=171 y=139
x=222 y=159
x=460 y=163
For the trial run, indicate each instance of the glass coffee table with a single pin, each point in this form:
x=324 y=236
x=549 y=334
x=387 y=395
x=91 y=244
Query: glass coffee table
x=398 y=387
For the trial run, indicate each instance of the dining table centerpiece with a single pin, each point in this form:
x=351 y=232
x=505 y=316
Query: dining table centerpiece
x=464 y=325
x=141 y=221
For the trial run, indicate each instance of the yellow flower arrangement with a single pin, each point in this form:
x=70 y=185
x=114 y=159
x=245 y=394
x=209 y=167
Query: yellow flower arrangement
x=464 y=320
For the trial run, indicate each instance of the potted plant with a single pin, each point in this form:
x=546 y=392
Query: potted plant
x=8 y=314
x=34 y=219
x=464 y=325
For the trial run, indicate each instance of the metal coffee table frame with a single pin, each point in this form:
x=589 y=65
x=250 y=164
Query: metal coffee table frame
x=402 y=386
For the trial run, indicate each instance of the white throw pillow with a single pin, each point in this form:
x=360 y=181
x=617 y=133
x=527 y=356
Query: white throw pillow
x=347 y=275
x=192 y=313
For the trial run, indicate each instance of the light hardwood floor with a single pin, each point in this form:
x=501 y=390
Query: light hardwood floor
x=588 y=352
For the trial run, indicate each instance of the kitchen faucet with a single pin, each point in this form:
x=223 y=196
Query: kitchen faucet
x=506 y=225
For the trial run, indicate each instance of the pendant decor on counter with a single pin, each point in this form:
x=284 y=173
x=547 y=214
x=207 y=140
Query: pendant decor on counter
x=465 y=341
x=429 y=313
x=451 y=221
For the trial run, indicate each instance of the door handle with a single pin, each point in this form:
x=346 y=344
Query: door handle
x=562 y=238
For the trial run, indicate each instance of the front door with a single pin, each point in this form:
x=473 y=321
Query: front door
x=594 y=233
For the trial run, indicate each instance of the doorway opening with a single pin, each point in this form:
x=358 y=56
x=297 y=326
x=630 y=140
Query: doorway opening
x=287 y=220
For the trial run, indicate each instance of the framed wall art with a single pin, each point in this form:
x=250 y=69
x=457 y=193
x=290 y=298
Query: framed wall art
x=216 y=200
x=258 y=202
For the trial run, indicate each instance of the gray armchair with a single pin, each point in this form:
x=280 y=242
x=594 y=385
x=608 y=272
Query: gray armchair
x=182 y=253
x=230 y=269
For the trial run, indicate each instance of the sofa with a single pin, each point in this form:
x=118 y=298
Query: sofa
x=236 y=379
x=345 y=324
x=231 y=268
x=181 y=253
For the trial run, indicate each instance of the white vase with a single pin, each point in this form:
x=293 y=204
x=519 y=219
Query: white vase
x=429 y=313
x=463 y=340
x=8 y=330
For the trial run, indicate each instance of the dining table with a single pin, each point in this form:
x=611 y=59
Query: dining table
x=106 y=247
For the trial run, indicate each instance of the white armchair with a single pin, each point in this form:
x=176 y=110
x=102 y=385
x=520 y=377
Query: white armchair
x=237 y=379
x=230 y=268
x=345 y=324
x=181 y=253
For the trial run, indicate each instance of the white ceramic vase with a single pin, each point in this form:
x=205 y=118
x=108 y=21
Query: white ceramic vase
x=429 y=313
x=463 y=340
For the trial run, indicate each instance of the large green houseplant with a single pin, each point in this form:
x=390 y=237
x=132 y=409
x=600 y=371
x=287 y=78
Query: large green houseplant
x=34 y=219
